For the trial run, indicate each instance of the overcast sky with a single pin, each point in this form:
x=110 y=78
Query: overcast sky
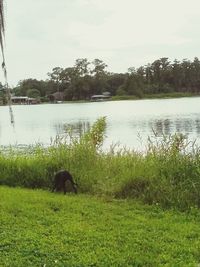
x=42 y=34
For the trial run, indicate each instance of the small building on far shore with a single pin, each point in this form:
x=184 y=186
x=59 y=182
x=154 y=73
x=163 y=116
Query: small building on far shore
x=56 y=97
x=103 y=97
x=24 y=100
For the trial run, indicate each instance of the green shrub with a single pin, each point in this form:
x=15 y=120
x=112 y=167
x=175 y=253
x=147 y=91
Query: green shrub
x=166 y=174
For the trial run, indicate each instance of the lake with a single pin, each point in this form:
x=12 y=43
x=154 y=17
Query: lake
x=128 y=122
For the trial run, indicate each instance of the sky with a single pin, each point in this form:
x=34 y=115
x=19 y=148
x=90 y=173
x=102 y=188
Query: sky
x=43 y=34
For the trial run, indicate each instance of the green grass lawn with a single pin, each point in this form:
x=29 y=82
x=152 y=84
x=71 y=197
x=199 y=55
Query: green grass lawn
x=39 y=228
x=154 y=96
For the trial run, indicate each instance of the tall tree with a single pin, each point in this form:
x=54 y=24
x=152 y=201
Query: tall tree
x=27 y=84
x=80 y=82
x=99 y=76
x=81 y=67
x=196 y=74
x=55 y=76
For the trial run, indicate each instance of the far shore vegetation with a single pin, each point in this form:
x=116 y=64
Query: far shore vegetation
x=159 y=79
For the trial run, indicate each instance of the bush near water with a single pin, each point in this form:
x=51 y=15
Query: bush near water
x=167 y=174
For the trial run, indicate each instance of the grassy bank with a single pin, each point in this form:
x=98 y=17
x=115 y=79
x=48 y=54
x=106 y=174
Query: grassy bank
x=132 y=97
x=155 y=96
x=167 y=174
x=39 y=228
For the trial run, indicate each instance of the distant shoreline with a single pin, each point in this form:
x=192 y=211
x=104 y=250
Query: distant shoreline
x=155 y=96
x=129 y=97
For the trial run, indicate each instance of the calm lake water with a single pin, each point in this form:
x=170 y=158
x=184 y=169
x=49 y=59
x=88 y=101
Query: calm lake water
x=128 y=122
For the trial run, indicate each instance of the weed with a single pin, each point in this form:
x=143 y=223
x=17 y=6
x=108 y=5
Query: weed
x=167 y=173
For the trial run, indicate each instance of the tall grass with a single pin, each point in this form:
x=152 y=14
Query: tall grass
x=168 y=173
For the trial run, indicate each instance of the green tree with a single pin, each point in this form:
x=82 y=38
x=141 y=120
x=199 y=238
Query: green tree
x=3 y=98
x=81 y=81
x=134 y=83
x=196 y=74
x=120 y=91
x=56 y=77
x=99 y=69
x=81 y=67
x=33 y=93
x=99 y=73
x=177 y=75
x=114 y=82
x=27 y=84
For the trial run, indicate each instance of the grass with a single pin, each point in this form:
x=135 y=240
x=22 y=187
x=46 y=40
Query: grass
x=39 y=228
x=167 y=174
x=155 y=96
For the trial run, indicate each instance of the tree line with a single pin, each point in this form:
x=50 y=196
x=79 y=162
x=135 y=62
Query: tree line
x=85 y=79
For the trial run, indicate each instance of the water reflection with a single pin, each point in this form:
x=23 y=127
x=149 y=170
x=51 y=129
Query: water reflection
x=180 y=125
x=75 y=129
x=126 y=120
x=197 y=123
x=139 y=131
